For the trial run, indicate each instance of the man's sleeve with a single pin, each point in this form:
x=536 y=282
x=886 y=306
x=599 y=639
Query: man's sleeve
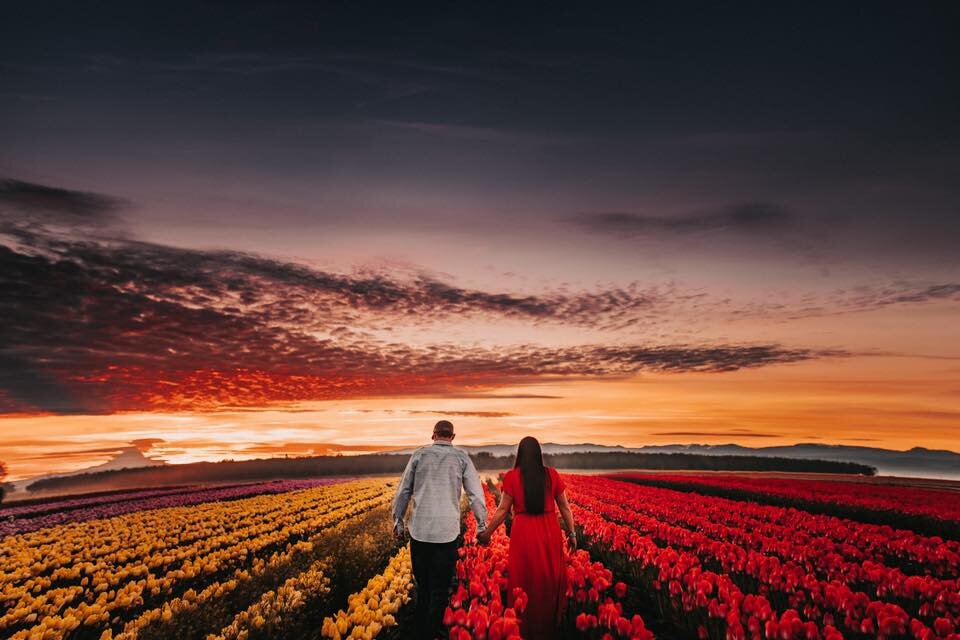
x=404 y=491
x=471 y=484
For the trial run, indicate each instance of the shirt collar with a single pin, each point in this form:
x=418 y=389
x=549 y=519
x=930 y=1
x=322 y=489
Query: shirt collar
x=442 y=443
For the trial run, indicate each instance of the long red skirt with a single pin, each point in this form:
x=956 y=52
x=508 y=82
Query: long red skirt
x=537 y=564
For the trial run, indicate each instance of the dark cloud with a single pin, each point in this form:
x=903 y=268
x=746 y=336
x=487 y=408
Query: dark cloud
x=23 y=386
x=101 y=327
x=52 y=204
x=98 y=324
x=863 y=299
x=293 y=294
x=745 y=217
x=899 y=293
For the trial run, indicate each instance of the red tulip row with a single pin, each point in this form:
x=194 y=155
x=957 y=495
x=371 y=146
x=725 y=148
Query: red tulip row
x=776 y=551
x=760 y=597
x=935 y=503
x=591 y=608
x=856 y=540
x=481 y=609
x=478 y=609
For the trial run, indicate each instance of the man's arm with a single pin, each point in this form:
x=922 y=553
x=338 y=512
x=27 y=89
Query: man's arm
x=404 y=491
x=471 y=484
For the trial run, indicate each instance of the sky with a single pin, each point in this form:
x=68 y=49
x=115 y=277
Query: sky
x=246 y=229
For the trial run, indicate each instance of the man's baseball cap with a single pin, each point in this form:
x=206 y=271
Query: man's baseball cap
x=443 y=428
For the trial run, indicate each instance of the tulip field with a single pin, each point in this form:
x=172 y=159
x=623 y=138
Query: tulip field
x=660 y=555
x=936 y=511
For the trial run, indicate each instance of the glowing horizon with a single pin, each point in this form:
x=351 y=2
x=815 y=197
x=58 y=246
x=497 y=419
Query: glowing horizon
x=629 y=413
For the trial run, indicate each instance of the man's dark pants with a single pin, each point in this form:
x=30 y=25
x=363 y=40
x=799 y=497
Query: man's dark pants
x=433 y=568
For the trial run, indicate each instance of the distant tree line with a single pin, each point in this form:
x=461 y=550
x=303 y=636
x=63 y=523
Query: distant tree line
x=273 y=468
x=700 y=462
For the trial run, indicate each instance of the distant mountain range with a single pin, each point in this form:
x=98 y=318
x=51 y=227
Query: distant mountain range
x=127 y=458
x=917 y=462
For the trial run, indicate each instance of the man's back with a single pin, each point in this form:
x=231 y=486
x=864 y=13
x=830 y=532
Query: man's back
x=434 y=478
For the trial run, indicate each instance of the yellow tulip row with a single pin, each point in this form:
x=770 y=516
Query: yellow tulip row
x=130 y=595
x=375 y=607
x=163 y=620
x=73 y=552
x=150 y=540
x=267 y=614
x=108 y=592
x=177 y=607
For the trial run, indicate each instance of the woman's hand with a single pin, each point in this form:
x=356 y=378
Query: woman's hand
x=572 y=542
x=483 y=537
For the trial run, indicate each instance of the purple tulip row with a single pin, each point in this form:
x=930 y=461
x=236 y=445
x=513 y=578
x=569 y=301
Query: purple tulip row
x=33 y=510
x=121 y=503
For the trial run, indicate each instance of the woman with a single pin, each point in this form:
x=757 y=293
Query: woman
x=537 y=562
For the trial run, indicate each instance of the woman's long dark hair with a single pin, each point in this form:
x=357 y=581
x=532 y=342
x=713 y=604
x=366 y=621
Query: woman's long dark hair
x=530 y=463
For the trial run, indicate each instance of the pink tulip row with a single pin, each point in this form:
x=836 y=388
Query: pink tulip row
x=935 y=503
x=33 y=509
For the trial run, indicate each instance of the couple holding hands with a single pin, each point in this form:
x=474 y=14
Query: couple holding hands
x=434 y=478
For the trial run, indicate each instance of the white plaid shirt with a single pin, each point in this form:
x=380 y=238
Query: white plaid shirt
x=434 y=477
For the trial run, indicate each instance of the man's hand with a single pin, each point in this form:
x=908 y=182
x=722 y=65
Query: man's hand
x=483 y=538
x=399 y=532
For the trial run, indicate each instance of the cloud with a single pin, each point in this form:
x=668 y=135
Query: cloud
x=56 y=205
x=144 y=445
x=78 y=453
x=305 y=448
x=717 y=434
x=458 y=395
x=876 y=297
x=474 y=133
x=311 y=299
x=464 y=414
x=100 y=328
x=103 y=324
x=745 y=217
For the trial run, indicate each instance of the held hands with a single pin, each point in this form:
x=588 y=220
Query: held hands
x=572 y=542
x=483 y=538
x=400 y=532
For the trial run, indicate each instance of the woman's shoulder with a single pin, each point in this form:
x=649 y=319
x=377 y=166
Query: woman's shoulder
x=556 y=481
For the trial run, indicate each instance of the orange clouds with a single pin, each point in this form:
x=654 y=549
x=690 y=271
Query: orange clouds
x=851 y=401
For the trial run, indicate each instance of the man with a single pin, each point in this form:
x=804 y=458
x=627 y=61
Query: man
x=434 y=478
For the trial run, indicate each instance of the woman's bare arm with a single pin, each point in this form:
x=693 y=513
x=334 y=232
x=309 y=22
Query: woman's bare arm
x=567 y=516
x=506 y=501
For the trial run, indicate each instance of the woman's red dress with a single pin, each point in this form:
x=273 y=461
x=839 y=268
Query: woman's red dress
x=537 y=561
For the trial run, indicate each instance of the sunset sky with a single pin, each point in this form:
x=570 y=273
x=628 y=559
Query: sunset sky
x=246 y=229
